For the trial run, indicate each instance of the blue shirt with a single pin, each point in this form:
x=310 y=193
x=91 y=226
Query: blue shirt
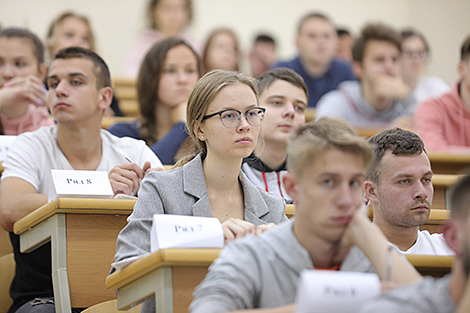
x=338 y=72
x=165 y=149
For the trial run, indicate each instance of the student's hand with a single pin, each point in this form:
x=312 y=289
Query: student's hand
x=178 y=114
x=356 y=228
x=262 y=228
x=390 y=87
x=23 y=90
x=235 y=228
x=404 y=122
x=154 y=169
x=125 y=178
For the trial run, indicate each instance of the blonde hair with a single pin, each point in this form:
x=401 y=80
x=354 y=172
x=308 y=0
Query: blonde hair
x=311 y=140
x=202 y=95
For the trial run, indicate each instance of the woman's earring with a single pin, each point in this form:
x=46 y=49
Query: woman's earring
x=202 y=137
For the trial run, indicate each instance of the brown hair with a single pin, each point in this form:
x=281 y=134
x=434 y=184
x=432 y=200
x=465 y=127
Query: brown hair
x=148 y=83
x=152 y=4
x=311 y=16
x=57 y=23
x=202 y=95
x=209 y=43
x=312 y=139
x=465 y=49
x=377 y=32
x=101 y=70
x=408 y=33
x=398 y=141
x=281 y=73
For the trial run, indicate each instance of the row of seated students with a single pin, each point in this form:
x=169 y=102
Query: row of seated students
x=225 y=117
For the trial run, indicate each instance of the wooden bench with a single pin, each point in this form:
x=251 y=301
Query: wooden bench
x=449 y=163
x=126 y=92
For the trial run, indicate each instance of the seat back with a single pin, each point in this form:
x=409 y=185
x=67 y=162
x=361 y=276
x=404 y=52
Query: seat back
x=110 y=307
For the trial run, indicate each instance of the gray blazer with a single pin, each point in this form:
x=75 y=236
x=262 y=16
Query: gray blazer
x=183 y=191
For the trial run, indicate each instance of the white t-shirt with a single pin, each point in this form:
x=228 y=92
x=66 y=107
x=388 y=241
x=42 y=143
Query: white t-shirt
x=429 y=244
x=32 y=156
x=430 y=87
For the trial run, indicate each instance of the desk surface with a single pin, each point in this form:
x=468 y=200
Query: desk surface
x=74 y=205
x=157 y=259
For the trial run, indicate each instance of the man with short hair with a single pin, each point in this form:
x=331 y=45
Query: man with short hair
x=380 y=98
x=262 y=55
x=400 y=191
x=326 y=162
x=316 y=42
x=443 y=122
x=442 y=294
x=284 y=95
x=345 y=44
x=79 y=92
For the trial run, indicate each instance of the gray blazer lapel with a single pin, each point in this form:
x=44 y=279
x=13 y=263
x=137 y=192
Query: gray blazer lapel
x=194 y=184
x=255 y=206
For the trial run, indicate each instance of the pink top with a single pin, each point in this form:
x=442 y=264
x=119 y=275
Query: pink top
x=444 y=123
x=138 y=50
x=34 y=118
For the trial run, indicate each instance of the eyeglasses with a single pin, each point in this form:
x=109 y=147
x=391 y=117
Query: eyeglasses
x=231 y=118
x=416 y=54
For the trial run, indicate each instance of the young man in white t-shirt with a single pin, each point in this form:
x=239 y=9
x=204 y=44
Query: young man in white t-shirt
x=400 y=191
x=79 y=92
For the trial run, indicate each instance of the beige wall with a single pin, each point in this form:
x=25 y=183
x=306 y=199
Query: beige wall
x=116 y=23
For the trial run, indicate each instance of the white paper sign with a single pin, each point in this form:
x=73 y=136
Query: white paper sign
x=335 y=292
x=5 y=143
x=180 y=231
x=80 y=184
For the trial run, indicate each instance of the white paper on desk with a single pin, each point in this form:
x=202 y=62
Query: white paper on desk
x=80 y=184
x=335 y=292
x=5 y=143
x=181 y=231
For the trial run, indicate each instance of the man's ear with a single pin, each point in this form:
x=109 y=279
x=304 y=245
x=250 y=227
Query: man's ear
x=105 y=97
x=290 y=185
x=461 y=68
x=370 y=190
x=450 y=230
x=357 y=68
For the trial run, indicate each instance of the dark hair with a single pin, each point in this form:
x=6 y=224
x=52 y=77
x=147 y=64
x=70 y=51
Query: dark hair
x=209 y=43
x=408 y=33
x=148 y=83
x=265 y=38
x=310 y=16
x=53 y=29
x=398 y=141
x=378 y=32
x=152 y=4
x=342 y=32
x=281 y=73
x=103 y=78
x=459 y=198
x=465 y=49
x=36 y=44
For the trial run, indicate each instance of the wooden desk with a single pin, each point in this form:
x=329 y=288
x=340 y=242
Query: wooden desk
x=169 y=275
x=433 y=265
x=126 y=92
x=449 y=163
x=110 y=120
x=83 y=236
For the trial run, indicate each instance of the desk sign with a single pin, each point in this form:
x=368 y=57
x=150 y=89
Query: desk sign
x=335 y=292
x=5 y=143
x=80 y=184
x=180 y=231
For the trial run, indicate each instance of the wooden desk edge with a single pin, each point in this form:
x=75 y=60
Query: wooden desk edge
x=157 y=259
x=431 y=261
x=74 y=205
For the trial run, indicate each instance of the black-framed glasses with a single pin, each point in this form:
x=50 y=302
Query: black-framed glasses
x=230 y=118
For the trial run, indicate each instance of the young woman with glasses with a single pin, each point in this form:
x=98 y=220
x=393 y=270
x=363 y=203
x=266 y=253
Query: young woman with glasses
x=224 y=121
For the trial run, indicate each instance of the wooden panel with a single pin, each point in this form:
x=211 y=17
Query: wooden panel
x=5 y=245
x=449 y=163
x=433 y=265
x=107 y=121
x=91 y=245
x=185 y=279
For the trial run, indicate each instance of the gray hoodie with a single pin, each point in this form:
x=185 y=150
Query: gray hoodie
x=347 y=102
